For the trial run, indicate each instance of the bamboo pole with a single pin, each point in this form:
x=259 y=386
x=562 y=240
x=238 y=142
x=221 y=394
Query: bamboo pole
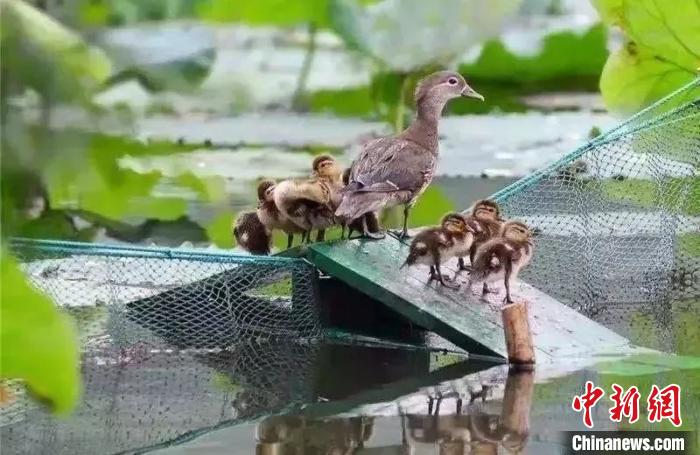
x=518 y=337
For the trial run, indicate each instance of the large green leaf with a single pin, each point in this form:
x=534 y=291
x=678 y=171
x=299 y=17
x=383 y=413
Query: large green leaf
x=121 y=12
x=566 y=61
x=265 y=12
x=38 y=341
x=70 y=68
x=406 y=35
x=661 y=51
x=563 y=54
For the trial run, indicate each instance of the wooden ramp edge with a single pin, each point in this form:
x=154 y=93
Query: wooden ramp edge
x=460 y=316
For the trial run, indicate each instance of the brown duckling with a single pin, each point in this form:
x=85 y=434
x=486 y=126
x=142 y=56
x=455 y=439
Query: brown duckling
x=251 y=234
x=463 y=240
x=502 y=257
x=397 y=169
x=486 y=223
x=369 y=222
x=270 y=216
x=434 y=246
x=310 y=203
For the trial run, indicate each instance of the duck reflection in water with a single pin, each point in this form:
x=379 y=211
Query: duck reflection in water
x=473 y=427
x=297 y=435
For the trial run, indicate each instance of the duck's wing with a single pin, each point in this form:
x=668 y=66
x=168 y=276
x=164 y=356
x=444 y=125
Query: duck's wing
x=390 y=164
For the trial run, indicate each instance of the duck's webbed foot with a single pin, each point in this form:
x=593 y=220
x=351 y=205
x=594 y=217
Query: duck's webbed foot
x=485 y=290
x=371 y=235
x=374 y=235
x=403 y=234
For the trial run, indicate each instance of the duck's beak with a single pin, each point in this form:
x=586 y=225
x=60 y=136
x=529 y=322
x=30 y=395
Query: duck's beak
x=469 y=92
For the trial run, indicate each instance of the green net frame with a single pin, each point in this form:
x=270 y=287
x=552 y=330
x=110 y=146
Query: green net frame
x=174 y=342
x=619 y=223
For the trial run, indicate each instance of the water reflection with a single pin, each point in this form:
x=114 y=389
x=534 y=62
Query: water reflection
x=477 y=424
x=143 y=396
x=292 y=435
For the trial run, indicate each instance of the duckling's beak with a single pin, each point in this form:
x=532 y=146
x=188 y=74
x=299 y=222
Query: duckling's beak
x=469 y=92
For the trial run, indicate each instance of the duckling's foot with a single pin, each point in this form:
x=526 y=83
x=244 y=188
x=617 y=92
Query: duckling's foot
x=486 y=290
x=463 y=267
x=450 y=286
x=401 y=235
x=442 y=278
x=507 y=299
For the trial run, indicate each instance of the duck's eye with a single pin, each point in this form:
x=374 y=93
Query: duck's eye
x=452 y=81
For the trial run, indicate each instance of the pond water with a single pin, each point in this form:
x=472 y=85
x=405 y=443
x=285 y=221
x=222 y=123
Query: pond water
x=337 y=398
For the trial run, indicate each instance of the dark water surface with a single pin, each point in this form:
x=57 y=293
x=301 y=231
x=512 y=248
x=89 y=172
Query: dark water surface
x=285 y=397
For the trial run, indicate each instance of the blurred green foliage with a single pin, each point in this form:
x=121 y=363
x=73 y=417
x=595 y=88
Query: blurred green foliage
x=661 y=51
x=70 y=69
x=567 y=61
x=38 y=342
x=97 y=13
x=677 y=194
x=265 y=12
x=408 y=35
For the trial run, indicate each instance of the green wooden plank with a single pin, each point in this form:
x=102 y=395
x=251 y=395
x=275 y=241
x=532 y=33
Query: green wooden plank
x=373 y=268
x=462 y=317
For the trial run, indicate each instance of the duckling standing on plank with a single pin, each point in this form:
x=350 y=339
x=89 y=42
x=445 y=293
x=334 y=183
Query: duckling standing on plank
x=434 y=246
x=463 y=240
x=502 y=258
x=486 y=223
x=251 y=234
x=270 y=216
x=396 y=170
x=310 y=203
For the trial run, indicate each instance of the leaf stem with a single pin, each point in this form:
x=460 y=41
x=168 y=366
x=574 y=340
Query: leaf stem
x=401 y=106
x=298 y=97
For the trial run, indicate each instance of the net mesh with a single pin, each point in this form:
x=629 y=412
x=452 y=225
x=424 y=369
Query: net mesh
x=173 y=342
x=619 y=223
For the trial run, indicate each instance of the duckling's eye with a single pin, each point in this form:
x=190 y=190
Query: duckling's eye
x=452 y=81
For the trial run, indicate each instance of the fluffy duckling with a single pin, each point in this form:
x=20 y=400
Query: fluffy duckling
x=463 y=240
x=434 y=246
x=251 y=234
x=310 y=203
x=271 y=217
x=396 y=170
x=502 y=257
x=486 y=223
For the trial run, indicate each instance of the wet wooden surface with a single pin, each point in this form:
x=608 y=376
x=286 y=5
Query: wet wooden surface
x=461 y=316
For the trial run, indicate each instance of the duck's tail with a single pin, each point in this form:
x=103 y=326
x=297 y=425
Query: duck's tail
x=354 y=205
